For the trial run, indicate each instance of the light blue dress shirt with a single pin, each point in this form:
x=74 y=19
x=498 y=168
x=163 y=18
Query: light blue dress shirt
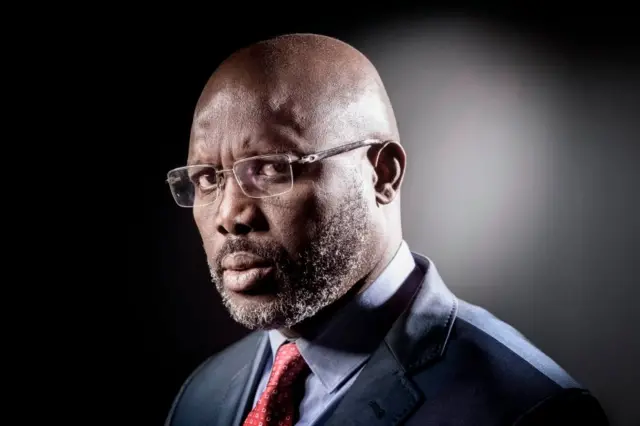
x=339 y=352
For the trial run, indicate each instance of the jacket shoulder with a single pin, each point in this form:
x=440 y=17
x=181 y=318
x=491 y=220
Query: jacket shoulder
x=493 y=340
x=497 y=374
x=212 y=376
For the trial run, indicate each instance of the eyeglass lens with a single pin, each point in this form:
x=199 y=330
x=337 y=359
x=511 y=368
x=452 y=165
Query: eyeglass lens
x=258 y=177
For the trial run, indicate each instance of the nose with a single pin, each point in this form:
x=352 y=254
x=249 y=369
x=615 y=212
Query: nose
x=237 y=213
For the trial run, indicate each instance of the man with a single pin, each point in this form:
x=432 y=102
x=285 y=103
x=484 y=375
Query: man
x=294 y=175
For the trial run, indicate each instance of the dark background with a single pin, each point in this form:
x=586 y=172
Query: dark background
x=572 y=285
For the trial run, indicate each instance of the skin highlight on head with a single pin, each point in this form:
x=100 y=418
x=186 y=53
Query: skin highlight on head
x=339 y=226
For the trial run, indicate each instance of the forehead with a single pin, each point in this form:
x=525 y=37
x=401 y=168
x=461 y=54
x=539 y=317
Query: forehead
x=236 y=123
x=236 y=146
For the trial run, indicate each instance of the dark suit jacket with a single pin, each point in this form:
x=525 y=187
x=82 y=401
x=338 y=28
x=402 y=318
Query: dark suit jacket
x=443 y=361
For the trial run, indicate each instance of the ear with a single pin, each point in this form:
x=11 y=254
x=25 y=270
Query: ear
x=389 y=163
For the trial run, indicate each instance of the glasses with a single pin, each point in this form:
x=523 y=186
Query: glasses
x=258 y=177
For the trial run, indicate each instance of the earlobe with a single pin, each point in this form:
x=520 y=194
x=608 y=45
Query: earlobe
x=385 y=196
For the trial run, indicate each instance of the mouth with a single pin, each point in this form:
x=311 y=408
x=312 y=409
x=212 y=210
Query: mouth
x=245 y=273
x=248 y=281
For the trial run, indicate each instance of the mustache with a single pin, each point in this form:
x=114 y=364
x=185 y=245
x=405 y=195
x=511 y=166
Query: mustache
x=268 y=251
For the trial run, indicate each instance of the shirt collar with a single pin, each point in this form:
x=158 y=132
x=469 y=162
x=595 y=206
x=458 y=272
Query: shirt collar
x=348 y=338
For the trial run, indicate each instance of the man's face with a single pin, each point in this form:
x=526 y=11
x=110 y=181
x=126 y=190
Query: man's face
x=279 y=260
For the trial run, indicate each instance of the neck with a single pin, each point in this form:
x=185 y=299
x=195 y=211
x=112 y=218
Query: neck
x=309 y=327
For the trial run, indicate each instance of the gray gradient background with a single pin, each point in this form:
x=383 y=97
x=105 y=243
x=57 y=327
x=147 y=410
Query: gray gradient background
x=521 y=186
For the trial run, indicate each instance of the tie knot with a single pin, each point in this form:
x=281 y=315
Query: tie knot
x=288 y=364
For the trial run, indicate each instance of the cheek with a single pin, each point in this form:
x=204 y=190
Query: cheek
x=296 y=220
x=204 y=220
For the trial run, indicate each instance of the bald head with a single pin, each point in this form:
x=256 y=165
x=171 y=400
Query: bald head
x=324 y=89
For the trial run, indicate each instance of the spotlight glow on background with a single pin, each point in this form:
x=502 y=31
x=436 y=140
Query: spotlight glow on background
x=521 y=185
x=474 y=112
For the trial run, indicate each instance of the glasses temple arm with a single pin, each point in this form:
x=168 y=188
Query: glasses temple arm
x=311 y=158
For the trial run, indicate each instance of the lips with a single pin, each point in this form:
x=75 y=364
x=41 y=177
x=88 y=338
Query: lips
x=243 y=272
x=241 y=261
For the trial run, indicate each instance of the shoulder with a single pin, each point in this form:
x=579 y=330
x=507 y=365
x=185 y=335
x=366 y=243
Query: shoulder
x=490 y=342
x=228 y=361
x=499 y=375
x=211 y=379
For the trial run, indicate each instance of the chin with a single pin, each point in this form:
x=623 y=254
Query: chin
x=254 y=311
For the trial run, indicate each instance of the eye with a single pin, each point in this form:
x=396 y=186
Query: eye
x=274 y=168
x=206 y=180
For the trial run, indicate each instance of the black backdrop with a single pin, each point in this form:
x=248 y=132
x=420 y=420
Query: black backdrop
x=175 y=318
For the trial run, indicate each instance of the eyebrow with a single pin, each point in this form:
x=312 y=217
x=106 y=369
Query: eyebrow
x=282 y=144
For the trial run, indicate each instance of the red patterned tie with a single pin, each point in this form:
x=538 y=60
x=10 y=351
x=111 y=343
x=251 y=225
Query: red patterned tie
x=278 y=404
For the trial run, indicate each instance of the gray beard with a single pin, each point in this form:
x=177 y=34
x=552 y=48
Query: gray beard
x=324 y=271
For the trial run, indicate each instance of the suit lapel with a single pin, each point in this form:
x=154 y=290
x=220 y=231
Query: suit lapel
x=419 y=336
x=243 y=386
x=381 y=395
